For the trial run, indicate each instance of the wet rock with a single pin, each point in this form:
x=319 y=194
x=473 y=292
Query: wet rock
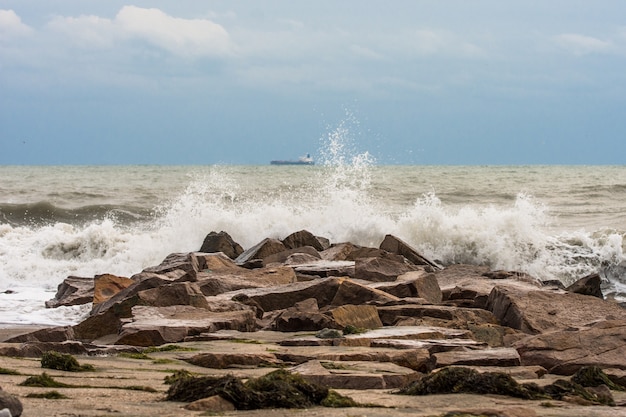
x=285 y=296
x=107 y=285
x=221 y=242
x=35 y=349
x=589 y=285
x=11 y=403
x=395 y=245
x=177 y=293
x=281 y=257
x=303 y=238
x=216 y=282
x=72 y=291
x=414 y=284
x=179 y=266
x=380 y=269
x=261 y=250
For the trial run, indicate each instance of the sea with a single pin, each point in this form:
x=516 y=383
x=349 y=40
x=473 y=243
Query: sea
x=552 y=222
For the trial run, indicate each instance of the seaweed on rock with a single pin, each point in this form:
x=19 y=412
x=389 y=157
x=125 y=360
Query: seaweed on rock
x=465 y=380
x=63 y=362
x=277 y=389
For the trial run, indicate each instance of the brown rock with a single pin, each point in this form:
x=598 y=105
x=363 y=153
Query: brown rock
x=589 y=285
x=302 y=238
x=181 y=266
x=479 y=357
x=395 y=245
x=177 y=293
x=351 y=292
x=72 y=291
x=303 y=316
x=216 y=282
x=414 y=284
x=285 y=296
x=380 y=269
x=107 y=285
x=11 y=403
x=455 y=316
x=213 y=404
x=537 y=311
x=261 y=250
x=153 y=326
x=359 y=316
x=355 y=374
x=281 y=257
x=51 y=334
x=326 y=269
x=564 y=352
x=339 y=252
x=231 y=360
x=35 y=349
x=221 y=242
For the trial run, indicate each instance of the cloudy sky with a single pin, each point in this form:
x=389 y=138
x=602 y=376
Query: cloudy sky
x=246 y=81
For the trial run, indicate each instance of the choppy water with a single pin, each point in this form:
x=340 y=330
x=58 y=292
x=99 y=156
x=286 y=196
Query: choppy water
x=554 y=222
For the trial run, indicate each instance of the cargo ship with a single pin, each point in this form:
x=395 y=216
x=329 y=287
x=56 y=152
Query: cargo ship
x=303 y=160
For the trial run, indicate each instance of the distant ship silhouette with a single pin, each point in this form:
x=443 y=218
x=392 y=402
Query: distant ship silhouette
x=303 y=160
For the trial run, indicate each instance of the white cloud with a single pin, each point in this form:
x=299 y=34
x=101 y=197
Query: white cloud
x=11 y=25
x=189 y=37
x=184 y=37
x=439 y=42
x=581 y=44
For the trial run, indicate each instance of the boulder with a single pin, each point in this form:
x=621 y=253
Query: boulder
x=284 y=296
x=359 y=316
x=216 y=282
x=440 y=315
x=380 y=269
x=178 y=266
x=107 y=285
x=537 y=311
x=339 y=252
x=417 y=284
x=565 y=351
x=153 y=326
x=221 y=242
x=352 y=292
x=50 y=334
x=303 y=316
x=72 y=291
x=176 y=293
x=479 y=357
x=326 y=269
x=355 y=374
x=589 y=285
x=213 y=405
x=35 y=349
x=261 y=250
x=302 y=238
x=11 y=403
x=395 y=245
x=221 y=360
x=281 y=257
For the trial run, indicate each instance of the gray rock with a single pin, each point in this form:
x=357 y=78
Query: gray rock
x=11 y=404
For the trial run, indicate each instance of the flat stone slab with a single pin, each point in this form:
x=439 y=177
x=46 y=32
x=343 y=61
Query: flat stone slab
x=481 y=357
x=432 y=345
x=356 y=374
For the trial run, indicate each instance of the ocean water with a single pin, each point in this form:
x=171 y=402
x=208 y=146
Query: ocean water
x=553 y=222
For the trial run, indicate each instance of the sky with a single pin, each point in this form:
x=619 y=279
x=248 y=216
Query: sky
x=482 y=82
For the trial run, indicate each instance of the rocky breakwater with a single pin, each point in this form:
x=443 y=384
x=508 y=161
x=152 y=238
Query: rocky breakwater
x=342 y=315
